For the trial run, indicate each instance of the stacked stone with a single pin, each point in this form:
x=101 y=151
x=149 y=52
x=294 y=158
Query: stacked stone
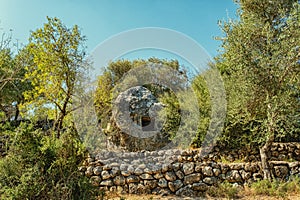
x=279 y=152
x=172 y=172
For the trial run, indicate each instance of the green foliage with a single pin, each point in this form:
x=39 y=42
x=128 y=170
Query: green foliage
x=260 y=67
x=56 y=70
x=276 y=188
x=40 y=166
x=223 y=190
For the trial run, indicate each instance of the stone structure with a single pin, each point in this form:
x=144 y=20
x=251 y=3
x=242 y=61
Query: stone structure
x=136 y=114
x=180 y=172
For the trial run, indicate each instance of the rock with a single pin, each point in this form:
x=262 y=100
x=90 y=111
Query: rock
x=132 y=179
x=192 y=178
x=89 y=171
x=162 y=183
x=164 y=168
x=174 y=186
x=200 y=187
x=95 y=180
x=186 y=191
x=198 y=167
x=179 y=174
x=210 y=180
x=105 y=175
x=281 y=171
x=217 y=172
x=97 y=170
x=170 y=176
x=233 y=176
x=106 y=183
x=188 y=168
x=138 y=171
x=132 y=188
x=158 y=175
x=150 y=184
x=146 y=176
x=119 y=180
x=125 y=173
x=207 y=171
x=176 y=166
x=245 y=175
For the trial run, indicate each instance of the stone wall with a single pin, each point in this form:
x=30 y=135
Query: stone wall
x=179 y=172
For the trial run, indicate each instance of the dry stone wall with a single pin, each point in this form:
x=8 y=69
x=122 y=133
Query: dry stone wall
x=179 y=172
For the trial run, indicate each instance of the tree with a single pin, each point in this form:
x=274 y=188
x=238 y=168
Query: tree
x=58 y=63
x=12 y=84
x=260 y=66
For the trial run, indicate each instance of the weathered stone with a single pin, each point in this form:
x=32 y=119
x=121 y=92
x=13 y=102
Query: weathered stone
x=198 y=167
x=89 y=171
x=174 y=186
x=257 y=176
x=281 y=171
x=97 y=170
x=95 y=180
x=161 y=191
x=106 y=183
x=165 y=168
x=125 y=173
x=146 y=176
x=188 y=168
x=150 y=184
x=233 y=176
x=176 y=166
x=162 y=183
x=192 y=178
x=217 y=171
x=179 y=174
x=106 y=167
x=207 y=171
x=237 y=166
x=158 y=175
x=170 y=176
x=132 y=179
x=245 y=175
x=130 y=169
x=224 y=168
x=200 y=187
x=210 y=180
x=105 y=175
x=119 y=180
x=138 y=171
x=132 y=188
x=186 y=191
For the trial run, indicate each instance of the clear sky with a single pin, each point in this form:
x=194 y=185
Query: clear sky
x=101 y=19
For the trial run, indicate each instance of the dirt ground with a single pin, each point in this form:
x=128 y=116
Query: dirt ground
x=157 y=197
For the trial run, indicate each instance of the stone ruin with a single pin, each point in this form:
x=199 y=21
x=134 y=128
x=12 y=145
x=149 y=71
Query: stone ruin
x=136 y=114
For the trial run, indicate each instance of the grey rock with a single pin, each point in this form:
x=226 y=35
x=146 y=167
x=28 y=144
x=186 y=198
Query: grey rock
x=207 y=171
x=188 y=168
x=106 y=183
x=174 y=186
x=132 y=179
x=97 y=170
x=119 y=180
x=170 y=176
x=179 y=174
x=162 y=183
x=192 y=178
x=105 y=175
x=210 y=180
x=146 y=176
x=200 y=187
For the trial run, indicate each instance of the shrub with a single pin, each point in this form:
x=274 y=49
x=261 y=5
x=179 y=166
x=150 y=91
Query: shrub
x=40 y=166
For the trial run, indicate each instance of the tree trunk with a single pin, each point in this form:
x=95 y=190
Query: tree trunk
x=267 y=171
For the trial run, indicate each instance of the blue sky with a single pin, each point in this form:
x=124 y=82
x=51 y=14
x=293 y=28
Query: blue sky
x=101 y=19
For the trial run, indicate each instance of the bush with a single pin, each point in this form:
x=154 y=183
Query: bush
x=276 y=188
x=223 y=190
x=40 y=166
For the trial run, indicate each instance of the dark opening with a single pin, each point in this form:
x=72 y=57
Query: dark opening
x=147 y=124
